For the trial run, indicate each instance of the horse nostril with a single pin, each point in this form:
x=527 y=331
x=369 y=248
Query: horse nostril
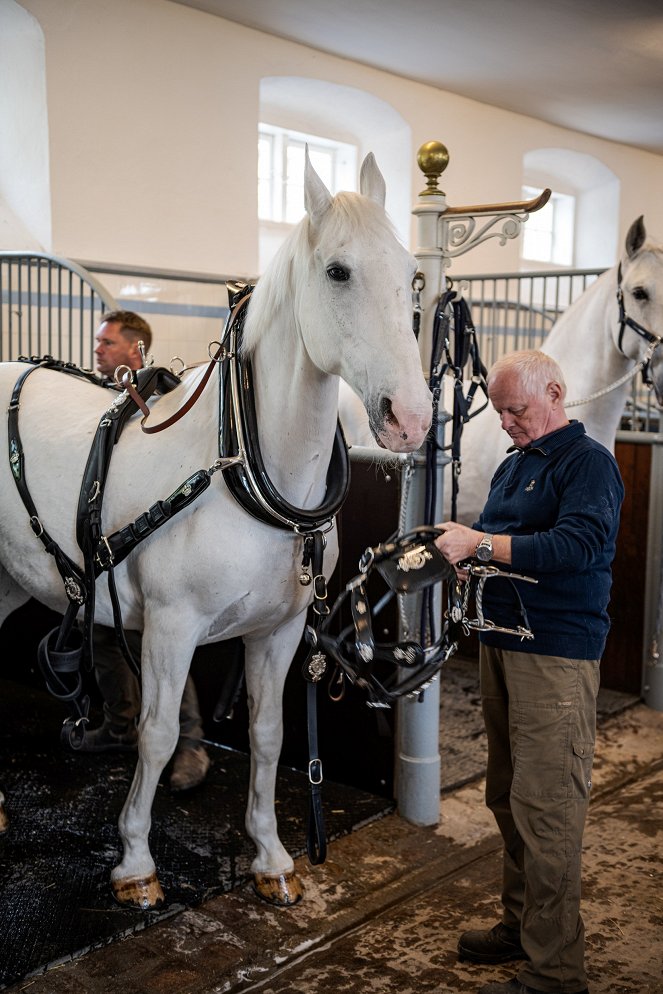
x=386 y=413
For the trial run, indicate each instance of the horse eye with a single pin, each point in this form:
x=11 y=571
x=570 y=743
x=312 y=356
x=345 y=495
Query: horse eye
x=339 y=274
x=639 y=293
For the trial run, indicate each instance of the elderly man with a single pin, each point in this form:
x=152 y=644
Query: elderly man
x=552 y=514
x=118 y=338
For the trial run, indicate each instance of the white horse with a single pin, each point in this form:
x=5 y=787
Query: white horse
x=585 y=342
x=336 y=301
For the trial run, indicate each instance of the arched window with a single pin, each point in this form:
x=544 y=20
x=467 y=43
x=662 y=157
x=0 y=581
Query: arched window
x=580 y=225
x=338 y=121
x=25 y=206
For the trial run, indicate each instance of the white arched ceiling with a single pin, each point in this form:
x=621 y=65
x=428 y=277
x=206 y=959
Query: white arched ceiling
x=347 y=114
x=25 y=207
x=596 y=189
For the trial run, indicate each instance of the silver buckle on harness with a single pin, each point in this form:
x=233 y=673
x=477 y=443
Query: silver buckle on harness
x=315 y=772
x=100 y=559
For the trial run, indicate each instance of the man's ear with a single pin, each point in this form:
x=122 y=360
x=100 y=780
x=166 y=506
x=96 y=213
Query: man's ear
x=554 y=391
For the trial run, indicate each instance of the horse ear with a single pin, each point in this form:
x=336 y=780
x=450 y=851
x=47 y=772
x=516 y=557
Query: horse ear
x=317 y=198
x=635 y=237
x=371 y=180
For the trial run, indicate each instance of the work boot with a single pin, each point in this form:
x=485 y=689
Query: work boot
x=514 y=986
x=106 y=738
x=190 y=767
x=496 y=945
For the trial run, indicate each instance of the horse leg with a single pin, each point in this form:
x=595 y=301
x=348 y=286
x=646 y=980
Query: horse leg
x=165 y=661
x=267 y=663
x=11 y=595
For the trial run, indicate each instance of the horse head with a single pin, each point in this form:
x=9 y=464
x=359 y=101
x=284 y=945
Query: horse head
x=360 y=283
x=642 y=295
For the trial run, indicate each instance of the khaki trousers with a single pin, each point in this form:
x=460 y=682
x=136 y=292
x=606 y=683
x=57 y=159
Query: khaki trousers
x=540 y=716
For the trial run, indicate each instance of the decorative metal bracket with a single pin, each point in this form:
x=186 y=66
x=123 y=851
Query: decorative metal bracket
x=460 y=229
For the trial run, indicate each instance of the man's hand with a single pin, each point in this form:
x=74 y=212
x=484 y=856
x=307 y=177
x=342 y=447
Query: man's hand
x=457 y=544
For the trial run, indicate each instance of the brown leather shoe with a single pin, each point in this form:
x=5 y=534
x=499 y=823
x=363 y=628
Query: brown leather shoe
x=190 y=767
x=496 y=945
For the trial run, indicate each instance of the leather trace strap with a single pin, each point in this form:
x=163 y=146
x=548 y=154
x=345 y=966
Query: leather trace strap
x=313 y=670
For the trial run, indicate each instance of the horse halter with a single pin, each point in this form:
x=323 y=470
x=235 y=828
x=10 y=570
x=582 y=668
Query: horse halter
x=625 y=321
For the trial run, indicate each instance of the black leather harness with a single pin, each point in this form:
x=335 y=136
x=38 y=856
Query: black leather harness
x=61 y=652
x=625 y=321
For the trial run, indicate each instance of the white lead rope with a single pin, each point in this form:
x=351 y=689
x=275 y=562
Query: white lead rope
x=622 y=379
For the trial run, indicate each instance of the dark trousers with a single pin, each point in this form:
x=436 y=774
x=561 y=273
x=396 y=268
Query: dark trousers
x=120 y=688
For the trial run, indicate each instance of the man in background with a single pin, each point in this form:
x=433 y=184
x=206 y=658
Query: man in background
x=118 y=338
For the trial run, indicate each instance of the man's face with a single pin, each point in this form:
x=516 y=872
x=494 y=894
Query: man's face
x=524 y=417
x=113 y=349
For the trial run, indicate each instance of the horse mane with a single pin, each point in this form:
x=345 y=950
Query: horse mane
x=350 y=215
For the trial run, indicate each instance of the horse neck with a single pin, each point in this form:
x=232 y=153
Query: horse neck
x=296 y=407
x=582 y=341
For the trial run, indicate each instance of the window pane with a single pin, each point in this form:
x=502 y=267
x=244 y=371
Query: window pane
x=294 y=185
x=281 y=156
x=548 y=233
x=265 y=177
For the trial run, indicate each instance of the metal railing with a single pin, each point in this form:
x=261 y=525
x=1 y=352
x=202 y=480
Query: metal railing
x=517 y=310
x=52 y=306
x=49 y=306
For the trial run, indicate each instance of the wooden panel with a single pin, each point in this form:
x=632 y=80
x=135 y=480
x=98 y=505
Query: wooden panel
x=621 y=666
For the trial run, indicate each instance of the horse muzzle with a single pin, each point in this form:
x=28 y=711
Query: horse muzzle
x=400 y=428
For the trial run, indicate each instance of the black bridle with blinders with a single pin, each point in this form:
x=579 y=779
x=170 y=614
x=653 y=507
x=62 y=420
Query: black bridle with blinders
x=625 y=321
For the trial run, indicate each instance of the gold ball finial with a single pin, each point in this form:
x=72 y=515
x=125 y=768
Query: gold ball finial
x=432 y=159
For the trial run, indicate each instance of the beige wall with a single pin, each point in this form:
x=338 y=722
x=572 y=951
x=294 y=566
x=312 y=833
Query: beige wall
x=152 y=121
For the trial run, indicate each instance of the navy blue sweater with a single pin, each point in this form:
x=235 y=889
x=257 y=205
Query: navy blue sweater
x=559 y=498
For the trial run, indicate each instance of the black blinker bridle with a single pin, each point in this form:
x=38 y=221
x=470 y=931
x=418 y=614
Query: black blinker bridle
x=628 y=322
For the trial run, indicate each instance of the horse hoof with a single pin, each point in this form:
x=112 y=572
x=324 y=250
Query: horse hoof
x=138 y=892
x=280 y=889
x=4 y=820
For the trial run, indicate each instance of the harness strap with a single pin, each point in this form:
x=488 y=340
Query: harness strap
x=314 y=667
x=73 y=577
x=219 y=356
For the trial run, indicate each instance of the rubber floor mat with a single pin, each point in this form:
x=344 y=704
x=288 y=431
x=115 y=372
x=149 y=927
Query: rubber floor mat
x=62 y=842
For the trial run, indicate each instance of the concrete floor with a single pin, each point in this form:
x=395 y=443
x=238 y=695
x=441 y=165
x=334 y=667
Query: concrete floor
x=383 y=914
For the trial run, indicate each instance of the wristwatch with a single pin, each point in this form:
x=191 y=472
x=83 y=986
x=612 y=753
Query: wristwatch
x=484 y=550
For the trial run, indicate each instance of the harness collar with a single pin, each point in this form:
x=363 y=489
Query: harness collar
x=248 y=480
